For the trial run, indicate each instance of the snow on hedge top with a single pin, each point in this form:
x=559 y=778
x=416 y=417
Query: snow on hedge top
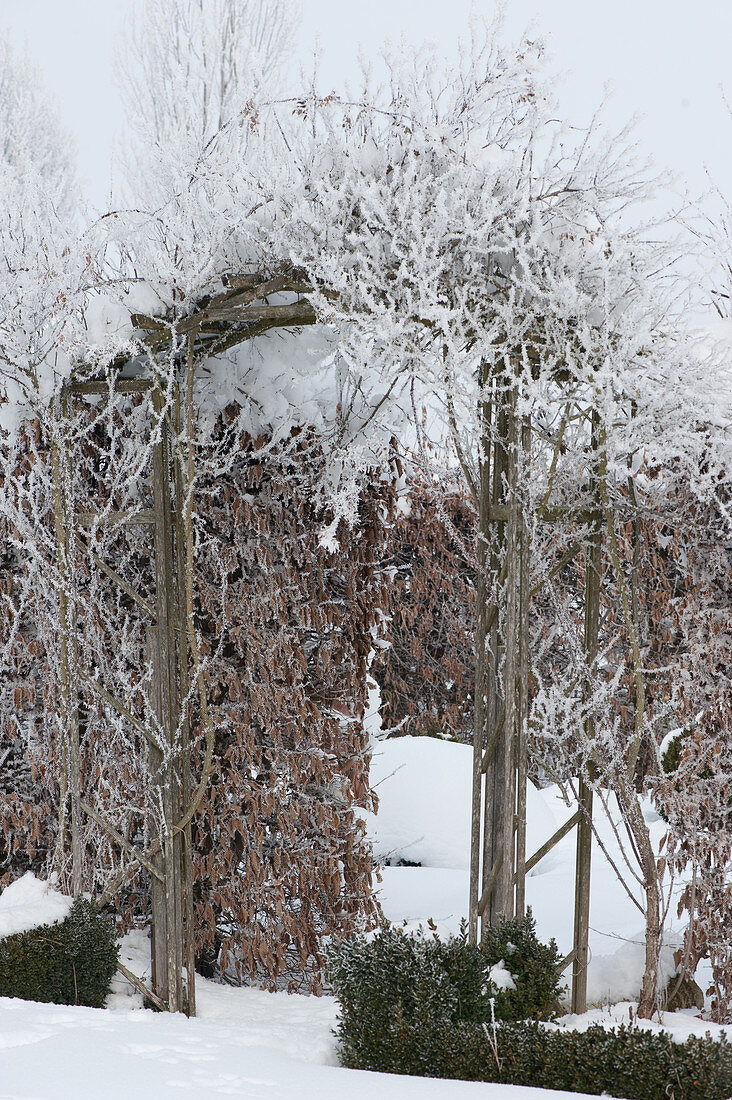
x=28 y=903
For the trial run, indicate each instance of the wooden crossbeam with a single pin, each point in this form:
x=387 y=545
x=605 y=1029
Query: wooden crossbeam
x=498 y=513
x=294 y=314
x=552 y=841
x=121 y=385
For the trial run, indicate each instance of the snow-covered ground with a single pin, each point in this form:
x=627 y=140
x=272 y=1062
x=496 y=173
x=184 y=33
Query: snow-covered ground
x=250 y=1044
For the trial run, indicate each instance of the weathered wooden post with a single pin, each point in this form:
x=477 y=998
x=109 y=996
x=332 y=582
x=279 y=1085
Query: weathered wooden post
x=240 y=313
x=524 y=598
x=69 y=709
x=498 y=863
x=170 y=862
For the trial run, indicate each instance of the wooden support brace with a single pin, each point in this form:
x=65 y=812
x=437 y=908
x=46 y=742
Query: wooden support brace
x=121 y=709
x=117 y=837
x=491 y=747
x=557 y=567
x=140 y=986
x=565 y=962
x=294 y=314
x=552 y=841
x=119 y=581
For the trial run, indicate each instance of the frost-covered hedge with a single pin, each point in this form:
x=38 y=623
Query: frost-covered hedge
x=71 y=962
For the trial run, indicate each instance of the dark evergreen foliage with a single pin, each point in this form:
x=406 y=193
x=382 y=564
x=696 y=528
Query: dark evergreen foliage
x=416 y=1005
x=533 y=964
x=71 y=962
x=623 y=1062
x=397 y=979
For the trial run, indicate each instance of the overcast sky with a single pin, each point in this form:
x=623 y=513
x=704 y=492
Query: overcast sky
x=667 y=60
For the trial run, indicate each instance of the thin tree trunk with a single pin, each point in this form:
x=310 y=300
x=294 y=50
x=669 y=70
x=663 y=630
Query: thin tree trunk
x=505 y=772
x=523 y=678
x=630 y=806
x=71 y=754
x=583 y=860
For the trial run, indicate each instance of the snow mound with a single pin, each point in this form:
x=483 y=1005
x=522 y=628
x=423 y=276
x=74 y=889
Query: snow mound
x=423 y=785
x=616 y=977
x=28 y=902
x=423 y=817
x=424 y=789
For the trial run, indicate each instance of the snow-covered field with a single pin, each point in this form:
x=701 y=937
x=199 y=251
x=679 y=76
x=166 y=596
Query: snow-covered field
x=250 y=1044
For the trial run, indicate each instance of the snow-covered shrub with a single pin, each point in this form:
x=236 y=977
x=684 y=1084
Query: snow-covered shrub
x=523 y=970
x=398 y=979
x=69 y=962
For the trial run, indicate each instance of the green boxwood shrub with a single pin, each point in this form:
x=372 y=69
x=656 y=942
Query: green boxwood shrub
x=71 y=962
x=420 y=1006
x=396 y=977
x=623 y=1062
x=672 y=756
x=533 y=964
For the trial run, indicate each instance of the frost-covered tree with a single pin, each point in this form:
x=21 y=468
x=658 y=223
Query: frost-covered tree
x=467 y=247
x=189 y=68
x=693 y=582
x=239 y=452
x=45 y=269
x=32 y=138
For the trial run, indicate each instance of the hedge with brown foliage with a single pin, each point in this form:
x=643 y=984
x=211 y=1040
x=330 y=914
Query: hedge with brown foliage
x=280 y=860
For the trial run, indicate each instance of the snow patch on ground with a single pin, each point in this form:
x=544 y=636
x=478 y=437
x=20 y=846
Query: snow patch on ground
x=245 y=1044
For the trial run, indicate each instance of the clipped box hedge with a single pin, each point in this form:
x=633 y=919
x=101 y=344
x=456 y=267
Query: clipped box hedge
x=623 y=1062
x=400 y=977
x=68 y=963
x=420 y=1006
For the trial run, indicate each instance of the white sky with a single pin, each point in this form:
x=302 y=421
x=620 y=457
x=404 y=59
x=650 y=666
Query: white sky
x=665 y=58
